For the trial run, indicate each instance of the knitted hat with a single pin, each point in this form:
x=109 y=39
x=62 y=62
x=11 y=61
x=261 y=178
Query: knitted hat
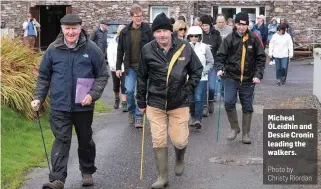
x=162 y=22
x=205 y=19
x=242 y=18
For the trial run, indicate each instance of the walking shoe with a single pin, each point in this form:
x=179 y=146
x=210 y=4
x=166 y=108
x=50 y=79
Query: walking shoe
x=139 y=123
x=191 y=121
x=117 y=101
x=198 y=124
x=87 y=179
x=124 y=106
x=56 y=184
x=278 y=84
x=205 y=111
x=131 y=119
x=283 y=80
x=211 y=107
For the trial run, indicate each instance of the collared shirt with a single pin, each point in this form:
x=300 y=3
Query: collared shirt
x=73 y=46
x=171 y=50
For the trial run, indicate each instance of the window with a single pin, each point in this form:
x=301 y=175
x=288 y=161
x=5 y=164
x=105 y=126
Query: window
x=231 y=11
x=156 y=10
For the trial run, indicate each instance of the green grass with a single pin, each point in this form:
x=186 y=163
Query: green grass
x=21 y=146
x=100 y=107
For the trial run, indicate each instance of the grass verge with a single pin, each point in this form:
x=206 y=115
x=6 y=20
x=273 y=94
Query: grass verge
x=21 y=146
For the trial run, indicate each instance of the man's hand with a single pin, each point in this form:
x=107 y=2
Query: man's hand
x=87 y=101
x=118 y=73
x=220 y=73
x=256 y=80
x=35 y=105
x=142 y=110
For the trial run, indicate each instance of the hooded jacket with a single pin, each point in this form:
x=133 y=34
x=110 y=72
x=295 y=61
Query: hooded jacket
x=213 y=39
x=229 y=57
x=272 y=28
x=62 y=66
x=153 y=69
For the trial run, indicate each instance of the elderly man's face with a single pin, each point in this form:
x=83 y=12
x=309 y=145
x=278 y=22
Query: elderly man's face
x=241 y=28
x=71 y=32
x=163 y=36
x=220 y=22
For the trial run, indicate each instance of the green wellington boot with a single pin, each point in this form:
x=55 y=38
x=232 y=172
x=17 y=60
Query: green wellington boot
x=179 y=163
x=235 y=129
x=161 y=158
x=246 y=125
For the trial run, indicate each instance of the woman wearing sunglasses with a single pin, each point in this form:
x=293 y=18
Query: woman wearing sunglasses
x=180 y=29
x=203 y=51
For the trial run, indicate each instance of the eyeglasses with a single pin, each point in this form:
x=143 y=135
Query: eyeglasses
x=181 y=29
x=196 y=36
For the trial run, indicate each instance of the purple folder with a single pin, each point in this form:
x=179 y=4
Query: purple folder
x=83 y=87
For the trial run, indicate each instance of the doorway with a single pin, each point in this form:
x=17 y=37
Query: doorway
x=50 y=16
x=231 y=11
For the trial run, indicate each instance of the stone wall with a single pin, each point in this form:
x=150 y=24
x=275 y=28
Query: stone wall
x=301 y=14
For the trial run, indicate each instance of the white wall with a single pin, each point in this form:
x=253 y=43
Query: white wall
x=316 y=73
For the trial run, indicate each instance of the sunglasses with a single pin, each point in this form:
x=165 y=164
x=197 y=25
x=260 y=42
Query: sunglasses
x=181 y=29
x=196 y=36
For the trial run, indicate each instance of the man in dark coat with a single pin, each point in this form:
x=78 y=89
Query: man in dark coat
x=71 y=62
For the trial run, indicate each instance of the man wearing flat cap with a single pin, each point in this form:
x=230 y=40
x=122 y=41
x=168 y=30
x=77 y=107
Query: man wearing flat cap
x=241 y=58
x=72 y=63
x=99 y=36
x=165 y=64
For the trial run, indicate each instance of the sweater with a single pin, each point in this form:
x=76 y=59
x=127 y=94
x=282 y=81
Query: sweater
x=281 y=46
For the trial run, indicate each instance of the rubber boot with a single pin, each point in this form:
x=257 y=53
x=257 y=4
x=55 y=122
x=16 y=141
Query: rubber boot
x=179 y=163
x=235 y=129
x=161 y=158
x=246 y=125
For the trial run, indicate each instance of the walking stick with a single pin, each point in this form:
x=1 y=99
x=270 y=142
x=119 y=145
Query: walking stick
x=219 y=109
x=43 y=140
x=142 y=154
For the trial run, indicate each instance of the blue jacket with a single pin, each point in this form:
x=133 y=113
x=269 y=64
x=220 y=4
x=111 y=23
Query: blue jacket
x=60 y=68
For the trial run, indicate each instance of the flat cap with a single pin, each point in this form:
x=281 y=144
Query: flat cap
x=70 y=19
x=106 y=22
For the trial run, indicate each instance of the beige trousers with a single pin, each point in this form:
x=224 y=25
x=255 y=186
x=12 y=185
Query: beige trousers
x=177 y=122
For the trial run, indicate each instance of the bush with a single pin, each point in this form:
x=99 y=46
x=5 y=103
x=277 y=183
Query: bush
x=19 y=76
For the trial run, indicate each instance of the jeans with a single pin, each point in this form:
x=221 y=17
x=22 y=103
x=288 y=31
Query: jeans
x=130 y=85
x=198 y=100
x=281 y=67
x=212 y=86
x=246 y=95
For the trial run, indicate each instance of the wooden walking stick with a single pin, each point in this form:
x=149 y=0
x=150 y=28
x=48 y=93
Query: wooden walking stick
x=142 y=154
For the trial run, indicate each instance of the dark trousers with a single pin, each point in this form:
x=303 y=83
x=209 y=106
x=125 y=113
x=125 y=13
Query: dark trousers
x=119 y=83
x=61 y=126
x=246 y=95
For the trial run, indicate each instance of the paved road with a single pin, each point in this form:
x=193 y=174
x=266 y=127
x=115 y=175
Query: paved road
x=118 y=147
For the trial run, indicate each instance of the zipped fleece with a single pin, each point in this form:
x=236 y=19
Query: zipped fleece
x=153 y=69
x=233 y=50
x=60 y=68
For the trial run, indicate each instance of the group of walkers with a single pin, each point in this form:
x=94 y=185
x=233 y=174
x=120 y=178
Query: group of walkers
x=172 y=69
